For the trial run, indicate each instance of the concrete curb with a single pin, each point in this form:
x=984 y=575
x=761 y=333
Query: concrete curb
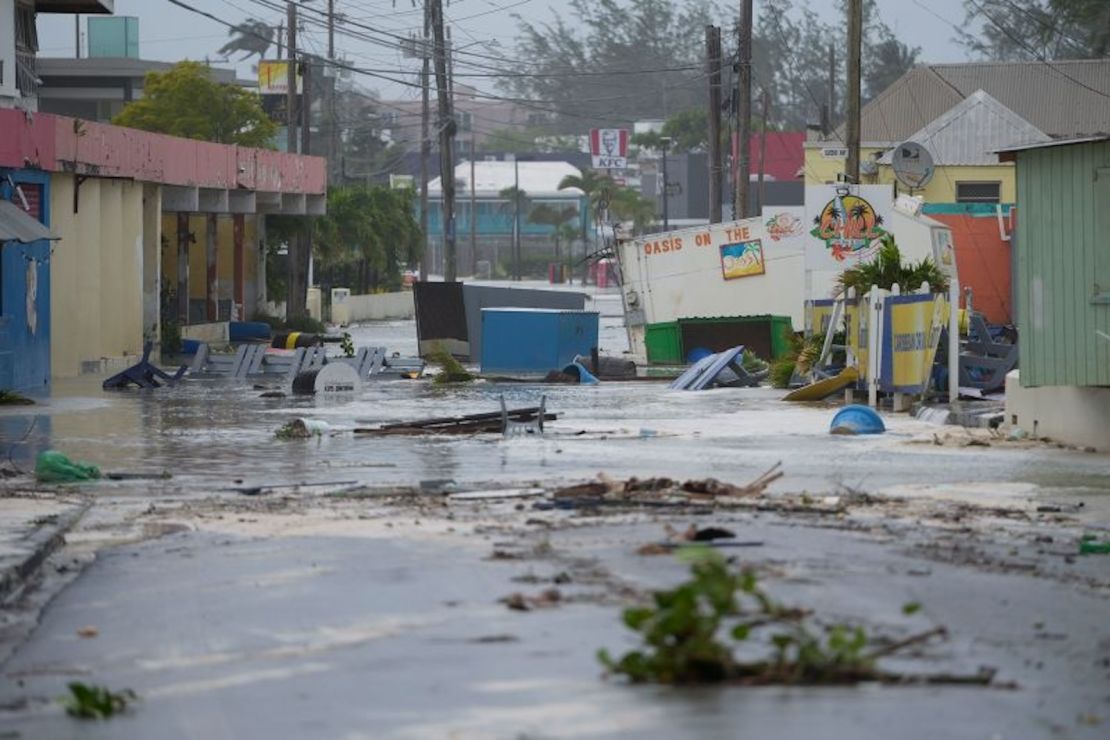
x=43 y=542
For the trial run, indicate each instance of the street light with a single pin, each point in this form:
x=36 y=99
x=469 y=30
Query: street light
x=665 y=141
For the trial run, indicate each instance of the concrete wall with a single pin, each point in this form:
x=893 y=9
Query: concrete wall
x=225 y=255
x=98 y=274
x=1070 y=414
x=380 y=306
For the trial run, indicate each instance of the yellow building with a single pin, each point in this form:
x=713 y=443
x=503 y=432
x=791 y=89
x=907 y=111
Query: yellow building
x=962 y=114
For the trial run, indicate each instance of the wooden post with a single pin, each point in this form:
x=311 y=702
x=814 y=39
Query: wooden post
x=446 y=127
x=713 y=68
x=855 y=37
x=744 y=115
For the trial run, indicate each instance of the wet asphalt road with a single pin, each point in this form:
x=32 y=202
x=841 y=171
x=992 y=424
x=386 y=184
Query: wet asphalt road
x=252 y=625
x=403 y=637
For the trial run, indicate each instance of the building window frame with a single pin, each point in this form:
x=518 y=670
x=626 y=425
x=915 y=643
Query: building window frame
x=980 y=197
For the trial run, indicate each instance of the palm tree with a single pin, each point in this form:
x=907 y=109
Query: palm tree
x=596 y=186
x=555 y=217
x=629 y=205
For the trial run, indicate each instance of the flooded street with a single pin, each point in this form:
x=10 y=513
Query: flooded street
x=367 y=604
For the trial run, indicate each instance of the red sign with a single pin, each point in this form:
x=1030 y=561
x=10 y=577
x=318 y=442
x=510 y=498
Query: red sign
x=609 y=142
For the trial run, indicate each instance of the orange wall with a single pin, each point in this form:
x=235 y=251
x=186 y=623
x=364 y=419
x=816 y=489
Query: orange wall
x=983 y=260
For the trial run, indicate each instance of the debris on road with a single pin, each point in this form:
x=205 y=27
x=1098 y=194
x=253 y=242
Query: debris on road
x=1090 y=545
x=52 y=466
x=654 y=490
x=690 y=635
x=723 y=369
x=302 y=429
x=143 y=374
x=96 y=702
x=485 y=423
x=544 y=600
x=857 y=419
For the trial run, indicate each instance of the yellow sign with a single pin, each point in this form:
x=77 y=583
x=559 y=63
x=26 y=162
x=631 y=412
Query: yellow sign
x=910 y=336
x=273 y=78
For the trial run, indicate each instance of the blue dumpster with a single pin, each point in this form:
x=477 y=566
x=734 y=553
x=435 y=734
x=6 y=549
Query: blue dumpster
x=535 y=340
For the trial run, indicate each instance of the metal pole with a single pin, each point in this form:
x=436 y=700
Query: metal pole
x=516 y=218
x=744 y=124
x=473 y=214
x=77 y=33
x=666 y=198
x=855 y=40
x=713 y=65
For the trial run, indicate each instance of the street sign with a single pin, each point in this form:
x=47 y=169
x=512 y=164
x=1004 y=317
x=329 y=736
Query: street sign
x=912 y=165
x=609 y=148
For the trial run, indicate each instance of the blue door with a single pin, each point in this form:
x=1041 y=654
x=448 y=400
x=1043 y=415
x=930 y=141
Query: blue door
x=25 y=291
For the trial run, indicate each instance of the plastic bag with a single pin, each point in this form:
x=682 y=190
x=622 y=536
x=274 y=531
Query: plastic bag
x=54 y=467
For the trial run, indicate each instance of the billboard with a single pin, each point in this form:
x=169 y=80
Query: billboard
x=845 y=223
x=273 y=78
x=609 y=148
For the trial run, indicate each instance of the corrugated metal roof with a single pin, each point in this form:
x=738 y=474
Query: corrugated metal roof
x=18 y=226
x=1056 y=142
x=1061 y=98
x=972 y=130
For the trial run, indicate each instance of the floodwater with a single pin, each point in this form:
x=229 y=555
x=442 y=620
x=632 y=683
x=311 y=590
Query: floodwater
x=213 y=435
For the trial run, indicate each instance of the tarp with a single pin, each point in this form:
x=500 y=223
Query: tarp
x=18 y=226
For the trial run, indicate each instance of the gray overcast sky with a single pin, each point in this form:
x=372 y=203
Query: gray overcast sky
x=170 y=33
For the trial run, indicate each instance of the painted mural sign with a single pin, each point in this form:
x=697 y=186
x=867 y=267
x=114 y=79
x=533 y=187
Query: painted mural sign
x=783 y=225
x=743 y=259
x=845 y=223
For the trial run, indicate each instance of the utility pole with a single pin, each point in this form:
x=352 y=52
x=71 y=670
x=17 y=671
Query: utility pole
x=666 y=141
x=306 y=106
x=762 y=151
x=425 y=146
x=281 y=40
x=713 y=69
x=330 y=89
x=744 y=124
x=855 y=42
x=77 y=32
x=446 y=126
x=291 y=82
x=830 y=113
x=473 y=213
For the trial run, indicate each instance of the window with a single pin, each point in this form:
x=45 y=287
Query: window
x=390 y=118
x=26 y=46
x=978 y=192
x=465 y=121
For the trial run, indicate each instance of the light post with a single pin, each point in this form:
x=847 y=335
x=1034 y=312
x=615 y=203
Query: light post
x=516 y=217
x=665 y=141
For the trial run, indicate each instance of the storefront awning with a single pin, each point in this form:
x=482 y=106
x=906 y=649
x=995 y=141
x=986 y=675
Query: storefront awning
x=16 y=225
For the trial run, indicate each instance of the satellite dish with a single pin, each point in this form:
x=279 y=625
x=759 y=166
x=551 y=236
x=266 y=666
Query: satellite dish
x=912 y=165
